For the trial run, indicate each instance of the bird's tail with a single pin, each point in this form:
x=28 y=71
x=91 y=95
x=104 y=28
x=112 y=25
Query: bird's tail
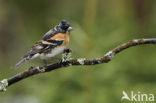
x=26 y=58
x=23 y=60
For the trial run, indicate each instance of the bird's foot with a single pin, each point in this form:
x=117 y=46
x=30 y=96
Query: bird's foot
x=66 y=56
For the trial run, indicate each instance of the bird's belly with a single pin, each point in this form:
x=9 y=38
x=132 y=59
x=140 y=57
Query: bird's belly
x=53 y=53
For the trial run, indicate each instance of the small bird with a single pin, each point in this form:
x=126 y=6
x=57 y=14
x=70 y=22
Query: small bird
x=52 y=43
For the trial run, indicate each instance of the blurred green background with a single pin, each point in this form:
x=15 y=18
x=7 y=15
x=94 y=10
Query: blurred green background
x=99 y=26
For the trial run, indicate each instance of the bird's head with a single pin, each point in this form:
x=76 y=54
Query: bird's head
x=64 y=25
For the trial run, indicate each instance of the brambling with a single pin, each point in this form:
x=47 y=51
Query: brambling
x=52 y=43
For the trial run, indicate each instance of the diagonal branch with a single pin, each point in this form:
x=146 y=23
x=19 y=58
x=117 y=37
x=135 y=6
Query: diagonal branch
x=68 y=61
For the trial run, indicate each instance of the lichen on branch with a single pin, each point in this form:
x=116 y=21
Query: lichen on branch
x=67 y=60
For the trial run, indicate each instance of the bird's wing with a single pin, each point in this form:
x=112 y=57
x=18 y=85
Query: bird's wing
x=52 y=42
x=43 y=47
x=53 y=32
x=49 y=45
x=49 y=34
x=38 y=48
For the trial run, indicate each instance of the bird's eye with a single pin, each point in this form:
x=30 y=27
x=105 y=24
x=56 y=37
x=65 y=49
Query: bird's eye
x=64 y=25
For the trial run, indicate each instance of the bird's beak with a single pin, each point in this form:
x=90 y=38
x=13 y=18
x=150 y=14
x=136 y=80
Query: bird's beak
x=70 y=28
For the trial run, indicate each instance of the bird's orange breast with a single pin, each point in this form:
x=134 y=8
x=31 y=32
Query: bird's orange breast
x=62 y=36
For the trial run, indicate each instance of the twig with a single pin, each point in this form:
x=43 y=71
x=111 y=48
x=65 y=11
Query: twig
x=68 y=61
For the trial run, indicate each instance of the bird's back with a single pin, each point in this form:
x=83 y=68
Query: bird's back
x=47 y=43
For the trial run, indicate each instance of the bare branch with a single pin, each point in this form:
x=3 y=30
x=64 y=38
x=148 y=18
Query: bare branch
x=68 y=61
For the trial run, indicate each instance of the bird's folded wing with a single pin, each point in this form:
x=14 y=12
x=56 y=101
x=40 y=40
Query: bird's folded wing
x=49 y=45
x=38 y=48
x=43 y=47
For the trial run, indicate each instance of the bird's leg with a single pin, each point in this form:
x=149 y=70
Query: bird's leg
x=66 y=56
x=45 y=63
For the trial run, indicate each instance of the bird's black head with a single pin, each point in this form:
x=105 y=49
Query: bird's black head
x=65 y=25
